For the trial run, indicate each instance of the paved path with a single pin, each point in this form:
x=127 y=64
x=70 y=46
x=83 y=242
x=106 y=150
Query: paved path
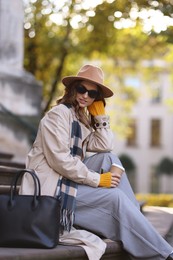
x=162 y=219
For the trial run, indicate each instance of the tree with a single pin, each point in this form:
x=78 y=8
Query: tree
x=165 y=166
x=127 y=162
x=130 y=167
x=43 y=41
x=83 y=33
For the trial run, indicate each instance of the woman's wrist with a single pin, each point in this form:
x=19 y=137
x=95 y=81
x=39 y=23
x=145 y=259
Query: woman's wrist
x=105 y=180
x=102 y=121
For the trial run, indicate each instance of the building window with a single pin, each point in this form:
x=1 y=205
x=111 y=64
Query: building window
x=155 y=132
x=132 y=135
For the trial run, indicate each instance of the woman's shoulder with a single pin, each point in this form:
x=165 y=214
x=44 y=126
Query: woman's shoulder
x=61 y=108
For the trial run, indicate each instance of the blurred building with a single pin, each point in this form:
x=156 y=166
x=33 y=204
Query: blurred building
x=151 y=137
x=20 y=98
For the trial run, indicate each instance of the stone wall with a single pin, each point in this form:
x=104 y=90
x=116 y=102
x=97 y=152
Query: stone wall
x=20 y=92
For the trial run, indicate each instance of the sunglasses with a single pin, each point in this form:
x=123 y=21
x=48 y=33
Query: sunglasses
x=82 y=90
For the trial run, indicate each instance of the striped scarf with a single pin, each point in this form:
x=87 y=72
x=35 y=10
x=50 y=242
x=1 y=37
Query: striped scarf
x=67 y=189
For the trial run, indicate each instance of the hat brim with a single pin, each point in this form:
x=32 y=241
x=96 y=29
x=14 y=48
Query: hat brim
x=70 y=79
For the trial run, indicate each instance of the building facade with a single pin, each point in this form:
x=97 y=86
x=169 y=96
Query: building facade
x=151 y=137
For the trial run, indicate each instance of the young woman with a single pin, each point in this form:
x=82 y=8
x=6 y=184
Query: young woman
x=91 y=188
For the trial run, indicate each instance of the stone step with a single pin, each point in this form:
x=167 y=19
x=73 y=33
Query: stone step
x=9 y=163
x=160 y=217
x=6 y=156
x=61 y=252
x=7 y=174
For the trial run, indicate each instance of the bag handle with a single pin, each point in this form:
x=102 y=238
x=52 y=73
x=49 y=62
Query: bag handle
x=37 y=186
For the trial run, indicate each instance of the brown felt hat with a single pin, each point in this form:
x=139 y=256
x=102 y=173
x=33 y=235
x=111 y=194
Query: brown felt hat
x=92 y=74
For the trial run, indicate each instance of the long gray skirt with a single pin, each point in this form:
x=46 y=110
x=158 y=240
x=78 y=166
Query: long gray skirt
x=114 y=213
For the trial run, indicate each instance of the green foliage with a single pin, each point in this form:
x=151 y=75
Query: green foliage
x=55 y=48
x=127 y=162
x=165 y=166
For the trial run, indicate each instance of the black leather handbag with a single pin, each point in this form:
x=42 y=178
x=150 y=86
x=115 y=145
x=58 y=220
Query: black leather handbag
x=30 y=221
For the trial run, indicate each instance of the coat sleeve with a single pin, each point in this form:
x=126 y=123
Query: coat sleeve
x=102 y=139
x=55 y=135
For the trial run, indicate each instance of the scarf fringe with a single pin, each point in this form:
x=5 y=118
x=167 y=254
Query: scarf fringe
x=67 y=219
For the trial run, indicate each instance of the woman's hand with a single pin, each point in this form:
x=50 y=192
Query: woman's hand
x=96 y=108
x=109 y=180
x=115 y=179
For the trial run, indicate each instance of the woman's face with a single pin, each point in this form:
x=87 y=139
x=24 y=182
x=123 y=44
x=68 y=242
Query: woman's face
x=86 y=93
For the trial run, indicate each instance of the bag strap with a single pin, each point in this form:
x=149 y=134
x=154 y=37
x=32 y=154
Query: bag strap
x=37 y=186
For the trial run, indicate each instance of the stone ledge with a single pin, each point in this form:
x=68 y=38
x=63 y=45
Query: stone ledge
x=61 y=252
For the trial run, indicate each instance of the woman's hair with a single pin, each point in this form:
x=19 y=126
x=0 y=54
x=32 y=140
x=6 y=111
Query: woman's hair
x=81 y=113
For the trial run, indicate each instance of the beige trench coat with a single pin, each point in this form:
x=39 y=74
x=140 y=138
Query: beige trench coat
x=50 y=155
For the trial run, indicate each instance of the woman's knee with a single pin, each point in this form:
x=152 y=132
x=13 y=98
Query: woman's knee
x=112 y=157
x=101 y=161
x=108 y=155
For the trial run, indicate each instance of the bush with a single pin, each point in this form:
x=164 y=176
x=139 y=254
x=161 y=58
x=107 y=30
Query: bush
x=165 y=166
x=162 y=200
x=127 y=162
